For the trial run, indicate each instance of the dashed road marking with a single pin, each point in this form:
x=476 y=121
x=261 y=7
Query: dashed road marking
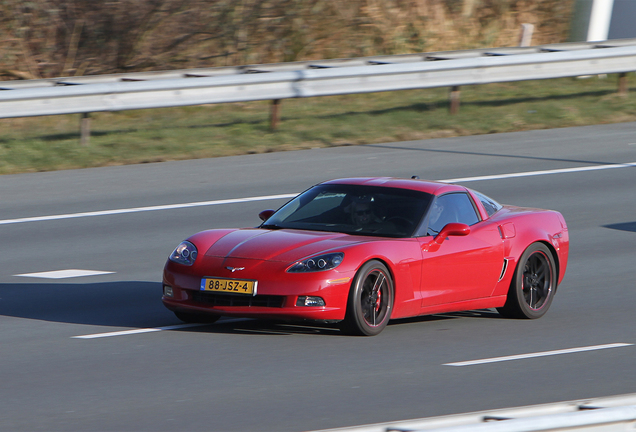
x=136 y=331
x=538 y=173
x=64 y=274
x=143 y=209
x=538 y=354
x=154 y=329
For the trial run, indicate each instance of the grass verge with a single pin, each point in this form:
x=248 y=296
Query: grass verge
x=129 y=137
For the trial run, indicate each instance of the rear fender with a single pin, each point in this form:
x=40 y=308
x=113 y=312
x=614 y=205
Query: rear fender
x=558 y=247
x=552 y=232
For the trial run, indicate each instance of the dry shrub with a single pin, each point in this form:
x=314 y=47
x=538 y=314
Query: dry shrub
x=49 y=38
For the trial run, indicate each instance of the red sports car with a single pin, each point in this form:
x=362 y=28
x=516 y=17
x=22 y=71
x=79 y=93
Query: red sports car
x=361 y=251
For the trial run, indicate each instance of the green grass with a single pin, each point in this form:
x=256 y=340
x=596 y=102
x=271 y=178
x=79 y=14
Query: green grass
x=128 y=137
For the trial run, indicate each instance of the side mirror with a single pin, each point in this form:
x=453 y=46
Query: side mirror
x=266 y=214
x=452 y=229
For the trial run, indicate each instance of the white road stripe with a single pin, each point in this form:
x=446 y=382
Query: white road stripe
x=538 y=354
x=288 y=196
x=64 y=274
x=136 y=331
x=154 y=329
x=537 y=173
x=144 y=209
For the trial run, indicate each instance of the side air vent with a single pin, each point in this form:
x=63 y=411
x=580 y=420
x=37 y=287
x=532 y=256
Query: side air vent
x=503 y=269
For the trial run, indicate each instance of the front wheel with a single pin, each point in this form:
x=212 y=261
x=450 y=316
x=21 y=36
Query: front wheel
x=370 y=300
x=533 y=284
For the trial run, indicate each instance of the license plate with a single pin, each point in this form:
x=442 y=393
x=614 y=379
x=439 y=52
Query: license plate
x=230 y=286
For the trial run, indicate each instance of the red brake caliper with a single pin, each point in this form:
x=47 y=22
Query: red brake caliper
x=379 y=300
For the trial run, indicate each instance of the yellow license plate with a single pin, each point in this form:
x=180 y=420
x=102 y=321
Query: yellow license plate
x=230 y=286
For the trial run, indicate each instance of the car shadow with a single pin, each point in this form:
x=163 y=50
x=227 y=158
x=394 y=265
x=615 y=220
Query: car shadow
x=250 y=326
x=278 y=328
x=116 y=304
x=133 y=304
x=137 y=304
x=481 y=313
x=625 y=226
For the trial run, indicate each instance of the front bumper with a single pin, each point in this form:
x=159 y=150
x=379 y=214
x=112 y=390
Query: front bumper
x=276 y=297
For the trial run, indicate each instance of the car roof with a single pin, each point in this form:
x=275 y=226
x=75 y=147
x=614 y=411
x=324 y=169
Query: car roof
x=431 y=187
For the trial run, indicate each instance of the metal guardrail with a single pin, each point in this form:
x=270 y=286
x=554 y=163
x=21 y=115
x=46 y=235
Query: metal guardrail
x=310 y=79
x=614 y=413
x=87 y=94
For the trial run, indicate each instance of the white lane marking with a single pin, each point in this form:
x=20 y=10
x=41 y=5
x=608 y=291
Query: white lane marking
x=288 y=196
x=144 y=209
x=64 y=274
x=537 y=173
x=136 y=331
x=538 y=354
x=154 y=329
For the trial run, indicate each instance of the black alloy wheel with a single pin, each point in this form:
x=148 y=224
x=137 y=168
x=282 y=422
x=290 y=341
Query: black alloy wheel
x=533 y=284
x=370 y=300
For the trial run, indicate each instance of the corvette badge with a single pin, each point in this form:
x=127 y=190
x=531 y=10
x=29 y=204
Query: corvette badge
x=233 y=269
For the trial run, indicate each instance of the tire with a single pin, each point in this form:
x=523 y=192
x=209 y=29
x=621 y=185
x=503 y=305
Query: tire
x=190 y=317
x=533 y=284
x=370 y=300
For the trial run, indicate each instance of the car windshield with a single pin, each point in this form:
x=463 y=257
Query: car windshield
x=353 y=209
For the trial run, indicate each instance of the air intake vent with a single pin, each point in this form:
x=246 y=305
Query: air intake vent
x=503 y=269
x=214 y=299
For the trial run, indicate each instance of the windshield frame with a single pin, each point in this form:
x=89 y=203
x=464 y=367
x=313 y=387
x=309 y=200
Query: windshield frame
x=397 y=212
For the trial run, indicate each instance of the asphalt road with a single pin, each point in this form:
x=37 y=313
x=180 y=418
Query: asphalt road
x=252 y=375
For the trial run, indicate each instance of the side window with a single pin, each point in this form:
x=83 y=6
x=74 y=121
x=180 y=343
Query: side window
x=490 y=205
x=453 y=207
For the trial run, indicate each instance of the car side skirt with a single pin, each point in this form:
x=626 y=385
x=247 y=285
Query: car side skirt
x=482 y=303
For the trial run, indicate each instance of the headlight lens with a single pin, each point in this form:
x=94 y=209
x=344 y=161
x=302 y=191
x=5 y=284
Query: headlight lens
x=184 y=254
x=318 y=263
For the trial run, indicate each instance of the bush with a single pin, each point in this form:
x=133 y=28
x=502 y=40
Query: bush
x=48 y=38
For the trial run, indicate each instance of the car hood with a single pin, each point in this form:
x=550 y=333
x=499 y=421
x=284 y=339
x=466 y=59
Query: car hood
x=279 y=245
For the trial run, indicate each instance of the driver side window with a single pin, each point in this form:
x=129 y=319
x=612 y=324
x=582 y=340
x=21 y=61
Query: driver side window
x=453 y=207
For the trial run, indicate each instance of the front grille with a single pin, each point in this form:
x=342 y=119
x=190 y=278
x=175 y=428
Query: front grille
x=214 y=299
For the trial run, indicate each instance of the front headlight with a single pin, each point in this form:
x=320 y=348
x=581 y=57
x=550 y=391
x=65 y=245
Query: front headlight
x=318 y=263
x=184 y=254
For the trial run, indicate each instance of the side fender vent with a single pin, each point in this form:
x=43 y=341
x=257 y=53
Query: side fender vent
x=503 y=269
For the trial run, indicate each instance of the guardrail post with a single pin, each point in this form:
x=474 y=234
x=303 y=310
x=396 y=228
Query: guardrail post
x=525 y=38
x=273 y=119
x=85 y=129
x=622 y=84
x=454 y=99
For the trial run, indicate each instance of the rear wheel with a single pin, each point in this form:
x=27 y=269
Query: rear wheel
x=370 y=300
x=190 y=317
x=533 y=284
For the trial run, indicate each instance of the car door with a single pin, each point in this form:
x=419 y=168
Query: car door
x=459 y=268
